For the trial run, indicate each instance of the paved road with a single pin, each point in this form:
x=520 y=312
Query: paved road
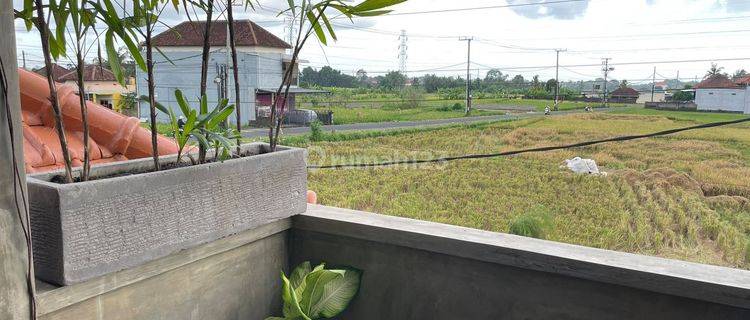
x=255 y=133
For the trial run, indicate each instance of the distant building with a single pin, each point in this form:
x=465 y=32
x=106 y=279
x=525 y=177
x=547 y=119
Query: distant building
x=261 y=57
x=101 y=85
x=624 y=95
x=719 y=93
x=57 y=71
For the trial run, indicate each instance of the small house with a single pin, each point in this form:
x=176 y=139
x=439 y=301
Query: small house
x=719 y=93
x=624 y=95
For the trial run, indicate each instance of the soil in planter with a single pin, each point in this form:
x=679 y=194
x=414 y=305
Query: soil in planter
x=164 y=166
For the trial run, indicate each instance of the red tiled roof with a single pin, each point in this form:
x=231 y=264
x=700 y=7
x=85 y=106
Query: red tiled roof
x=625 y=92
x=91 y=72
x=190 y=33
x=57 y=71
x=743 y=81
x=718 y=81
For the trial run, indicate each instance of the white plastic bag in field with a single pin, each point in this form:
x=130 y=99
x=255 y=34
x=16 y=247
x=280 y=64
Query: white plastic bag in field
x=579 y=165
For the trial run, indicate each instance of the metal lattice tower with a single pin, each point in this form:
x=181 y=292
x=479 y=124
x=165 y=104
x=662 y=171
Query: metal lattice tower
x=402 y=47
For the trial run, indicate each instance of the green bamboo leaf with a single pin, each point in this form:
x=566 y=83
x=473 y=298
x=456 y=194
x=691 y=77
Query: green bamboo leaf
x=182 y=102
x=316 y=26
x=204 y=104
x=133 y=49
x=328 y=25
x=371 y=13
x=201 y=139
x=114 y=62
x=291 y=6
x=370 y=5
x=220 y=117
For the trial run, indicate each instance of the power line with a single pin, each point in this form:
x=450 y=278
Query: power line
x=530 y=150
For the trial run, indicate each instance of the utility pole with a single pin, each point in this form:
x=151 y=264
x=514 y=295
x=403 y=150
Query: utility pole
x=653 y=84
x=606 y=68
x=402 y=56
x=557 y=79
x=468 y=72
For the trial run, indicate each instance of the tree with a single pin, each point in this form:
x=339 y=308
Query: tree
x=739 y=74
x=495 y=75
x=518 y=80
x=623 y=84
x=550 y=85
x=535 y=81
x=392 y=80
x=714 y=70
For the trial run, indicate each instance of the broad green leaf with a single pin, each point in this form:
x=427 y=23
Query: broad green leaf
x=292 y=308
x=298 y=274
x=315 y=283
x=337 y=294
x=316 y=26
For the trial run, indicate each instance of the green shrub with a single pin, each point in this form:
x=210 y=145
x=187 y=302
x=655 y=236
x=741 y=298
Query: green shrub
x=457 y=106
x=316 y=130
x=536 y=223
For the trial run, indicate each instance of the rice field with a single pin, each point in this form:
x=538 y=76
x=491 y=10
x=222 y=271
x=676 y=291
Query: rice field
x=683 y=196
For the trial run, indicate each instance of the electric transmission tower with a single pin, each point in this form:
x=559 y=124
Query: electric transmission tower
x=402 y=52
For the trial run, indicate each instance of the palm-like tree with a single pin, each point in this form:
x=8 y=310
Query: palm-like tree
x=714 y=70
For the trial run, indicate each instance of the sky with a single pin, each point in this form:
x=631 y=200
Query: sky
x=520 y=37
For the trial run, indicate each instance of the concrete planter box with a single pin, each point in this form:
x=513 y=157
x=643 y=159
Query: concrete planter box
x=92 y=228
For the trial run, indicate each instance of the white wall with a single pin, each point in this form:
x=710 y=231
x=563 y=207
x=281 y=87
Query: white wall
x=721 y=99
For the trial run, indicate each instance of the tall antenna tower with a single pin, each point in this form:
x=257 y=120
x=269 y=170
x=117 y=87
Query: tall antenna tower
x=402 y=52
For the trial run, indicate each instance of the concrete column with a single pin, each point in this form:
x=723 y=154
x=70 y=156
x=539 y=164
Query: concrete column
x=14 y=292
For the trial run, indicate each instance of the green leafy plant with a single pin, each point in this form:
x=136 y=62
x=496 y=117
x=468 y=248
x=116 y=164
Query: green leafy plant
x=535 y=223
x=316 y=130
x=317 y=293
x=201 y=125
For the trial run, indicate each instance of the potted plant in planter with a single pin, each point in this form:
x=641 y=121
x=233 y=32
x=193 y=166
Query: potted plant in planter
x=128 y=214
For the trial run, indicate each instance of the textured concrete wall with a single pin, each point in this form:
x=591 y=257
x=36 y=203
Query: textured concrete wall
x=423 y=270
x=88 y=229
x=239 y=283
x=14 y=295
x=405 y=283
